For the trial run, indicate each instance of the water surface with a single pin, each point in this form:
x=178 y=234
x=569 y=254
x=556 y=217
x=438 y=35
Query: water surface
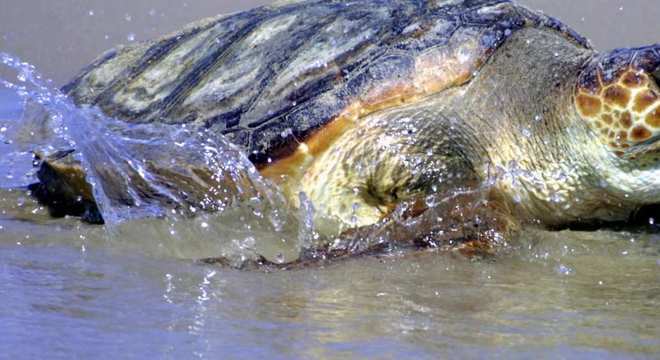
x=75 y=290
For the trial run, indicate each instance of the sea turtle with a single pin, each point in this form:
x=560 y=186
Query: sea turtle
x=365 y=105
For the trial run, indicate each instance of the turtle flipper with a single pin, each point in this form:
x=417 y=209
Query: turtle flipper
x=475 y=224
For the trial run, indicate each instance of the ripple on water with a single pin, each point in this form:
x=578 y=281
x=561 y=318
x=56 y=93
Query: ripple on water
x=74 y=290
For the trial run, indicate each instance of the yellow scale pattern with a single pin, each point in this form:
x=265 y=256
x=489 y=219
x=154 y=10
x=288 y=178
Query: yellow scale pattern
x=625 y=112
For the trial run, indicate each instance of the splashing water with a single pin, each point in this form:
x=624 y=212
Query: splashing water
x=145 y=172
x=66 y=123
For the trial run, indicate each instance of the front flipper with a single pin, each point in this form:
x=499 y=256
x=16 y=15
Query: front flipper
x=472 y=223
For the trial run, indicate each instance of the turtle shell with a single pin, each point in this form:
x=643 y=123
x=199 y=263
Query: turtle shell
x=275 y=76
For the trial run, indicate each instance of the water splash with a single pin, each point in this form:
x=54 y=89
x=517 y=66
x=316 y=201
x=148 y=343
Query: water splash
x=62 y=118
x=191 y=182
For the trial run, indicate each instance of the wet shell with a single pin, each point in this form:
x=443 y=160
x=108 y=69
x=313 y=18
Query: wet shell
x=275 y=76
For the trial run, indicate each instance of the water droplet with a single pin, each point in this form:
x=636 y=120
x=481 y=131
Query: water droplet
x=131 y=37
x=431 y=201
x=128 y=17
x=526 y=133
x=91 y=13
x=556 y=198
x=152 y=12
x=286 y=133
x=564 y=270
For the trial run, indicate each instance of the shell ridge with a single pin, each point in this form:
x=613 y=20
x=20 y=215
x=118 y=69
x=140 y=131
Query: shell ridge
x=233 y=117
x=103 y=59
x=202 y=67
x=342 y=96
x=157 y=51
x=322 y=85
x=541 y=20
x=350 y=15
x=154 y=53
x=285 y=61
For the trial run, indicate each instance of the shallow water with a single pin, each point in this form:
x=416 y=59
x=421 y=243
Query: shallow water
x=570 y=295
x=74 y=290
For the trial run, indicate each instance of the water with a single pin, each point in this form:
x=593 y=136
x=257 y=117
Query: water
x=571 y=295
x=134 y=286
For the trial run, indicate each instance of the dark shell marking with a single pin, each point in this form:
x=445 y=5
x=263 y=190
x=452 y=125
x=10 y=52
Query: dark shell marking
x=271 y=77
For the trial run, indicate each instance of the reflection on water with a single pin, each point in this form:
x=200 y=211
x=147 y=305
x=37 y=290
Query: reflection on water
x=571 y=294
x=76 y=290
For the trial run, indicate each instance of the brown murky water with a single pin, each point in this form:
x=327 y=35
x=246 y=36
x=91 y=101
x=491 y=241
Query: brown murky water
x=71 y=290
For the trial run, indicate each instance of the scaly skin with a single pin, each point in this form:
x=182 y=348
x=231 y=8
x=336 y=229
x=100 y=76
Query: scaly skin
x=501 y=130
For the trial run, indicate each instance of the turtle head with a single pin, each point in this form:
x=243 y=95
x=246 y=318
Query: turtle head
x=618 y=95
